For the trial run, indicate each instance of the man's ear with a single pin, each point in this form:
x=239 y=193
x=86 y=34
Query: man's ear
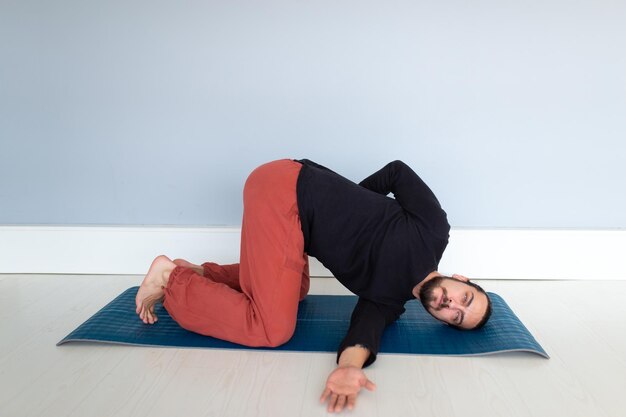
x=416 y=293
x=460 y=277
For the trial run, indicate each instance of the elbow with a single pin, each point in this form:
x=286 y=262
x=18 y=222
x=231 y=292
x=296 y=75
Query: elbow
x=398 y=165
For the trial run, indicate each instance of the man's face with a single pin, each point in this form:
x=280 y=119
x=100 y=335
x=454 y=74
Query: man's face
x=453 y=301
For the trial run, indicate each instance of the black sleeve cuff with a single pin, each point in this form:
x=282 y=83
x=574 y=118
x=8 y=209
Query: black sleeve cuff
x=370 y=360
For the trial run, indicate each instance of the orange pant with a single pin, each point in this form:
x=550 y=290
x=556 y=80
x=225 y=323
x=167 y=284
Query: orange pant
x=255 y=302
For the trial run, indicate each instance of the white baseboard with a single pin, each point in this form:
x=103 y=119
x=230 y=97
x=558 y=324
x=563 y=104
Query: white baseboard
x=476 y=253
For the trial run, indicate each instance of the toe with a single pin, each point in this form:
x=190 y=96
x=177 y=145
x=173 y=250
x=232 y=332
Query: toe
x=153 y=318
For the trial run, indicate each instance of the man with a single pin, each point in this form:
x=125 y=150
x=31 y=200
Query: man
x=385 y=250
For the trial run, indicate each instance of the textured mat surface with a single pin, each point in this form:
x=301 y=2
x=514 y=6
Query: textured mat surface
x=322 y=323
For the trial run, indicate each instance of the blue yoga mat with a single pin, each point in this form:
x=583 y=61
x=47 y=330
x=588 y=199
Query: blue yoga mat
x=322 y=323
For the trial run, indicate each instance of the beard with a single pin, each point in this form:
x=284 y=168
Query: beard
x=427 y=290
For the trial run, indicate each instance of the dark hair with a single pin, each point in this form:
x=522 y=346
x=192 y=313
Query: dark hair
x=482 y=321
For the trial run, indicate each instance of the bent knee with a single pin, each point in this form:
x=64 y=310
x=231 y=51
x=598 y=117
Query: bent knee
x=280 y=336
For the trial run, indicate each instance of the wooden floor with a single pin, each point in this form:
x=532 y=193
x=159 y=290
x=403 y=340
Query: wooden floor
x=582 y=325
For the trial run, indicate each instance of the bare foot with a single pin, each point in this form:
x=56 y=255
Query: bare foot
x=151 y=290
x=196 y=268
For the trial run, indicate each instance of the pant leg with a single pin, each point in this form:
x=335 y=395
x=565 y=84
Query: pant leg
x=227 y=274
x=271 y=269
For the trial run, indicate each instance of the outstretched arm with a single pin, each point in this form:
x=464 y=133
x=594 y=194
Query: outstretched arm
x=358 y=350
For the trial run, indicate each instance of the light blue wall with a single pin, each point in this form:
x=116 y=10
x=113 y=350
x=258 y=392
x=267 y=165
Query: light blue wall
x=153 y=112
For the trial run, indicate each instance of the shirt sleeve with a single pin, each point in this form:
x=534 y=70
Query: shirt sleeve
x=413 y=195
x=367 y=324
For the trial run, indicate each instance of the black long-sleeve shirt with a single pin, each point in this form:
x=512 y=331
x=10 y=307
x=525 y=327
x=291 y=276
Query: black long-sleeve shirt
x=377 y=246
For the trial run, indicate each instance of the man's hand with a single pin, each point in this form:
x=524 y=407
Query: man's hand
x=343 y=385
